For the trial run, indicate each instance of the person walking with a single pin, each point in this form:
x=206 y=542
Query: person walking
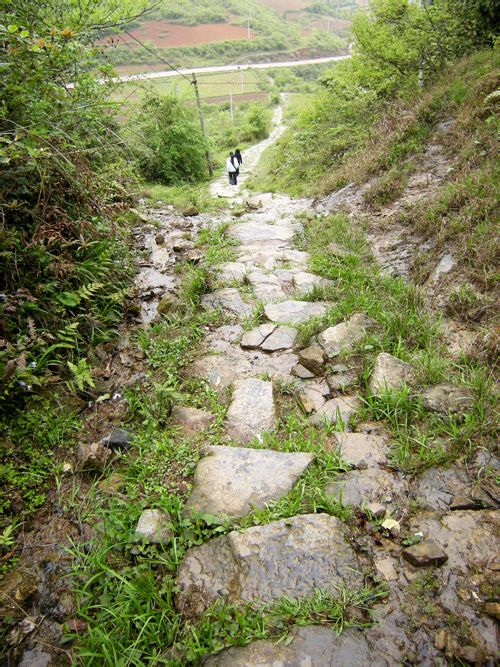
x=231 y=169
x=237 y=155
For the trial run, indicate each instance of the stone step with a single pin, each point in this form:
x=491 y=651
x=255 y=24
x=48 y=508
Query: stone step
x=294 y=312
x=231 y=481
x=292 y=557
x=252 y=410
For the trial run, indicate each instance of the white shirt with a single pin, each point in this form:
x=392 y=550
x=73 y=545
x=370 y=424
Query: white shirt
x=230 y=165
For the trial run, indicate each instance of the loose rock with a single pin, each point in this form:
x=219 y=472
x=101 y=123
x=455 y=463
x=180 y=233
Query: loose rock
x=313 y=359
x=17 y=587
x=337 y=409
x=190 y=211
x=425 y=553
x=35 y=658
x=385 y=567
x=344 y=336
x=154 y=527
x=390 y=374
x=119 y=438
x=232 y=480
x=301 y=372
x=94 y=456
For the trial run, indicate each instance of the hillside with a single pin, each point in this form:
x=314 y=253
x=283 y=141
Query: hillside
x=250 y=424
x=220 y=32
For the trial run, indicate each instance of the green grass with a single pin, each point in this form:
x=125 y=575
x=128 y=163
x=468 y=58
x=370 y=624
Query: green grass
x=182 y=196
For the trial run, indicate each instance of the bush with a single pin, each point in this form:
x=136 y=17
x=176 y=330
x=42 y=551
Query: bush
x=172 y=148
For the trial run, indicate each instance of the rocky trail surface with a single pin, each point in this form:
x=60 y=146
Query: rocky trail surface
x=428 y=539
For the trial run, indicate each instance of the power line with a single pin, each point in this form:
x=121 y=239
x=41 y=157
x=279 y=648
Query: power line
x=157 y=56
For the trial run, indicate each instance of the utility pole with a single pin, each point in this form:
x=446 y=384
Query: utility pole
x=202 y=123
x=248 y=22
x=241 y=79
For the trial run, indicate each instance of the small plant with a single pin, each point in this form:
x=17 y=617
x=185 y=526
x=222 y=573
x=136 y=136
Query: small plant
x=81 y=376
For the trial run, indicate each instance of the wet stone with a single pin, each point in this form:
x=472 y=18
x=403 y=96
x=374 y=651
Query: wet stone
x=229 y=300
x=311 y=646
x=294 y=312
x=336 y=410
x=291 y=557
x=254 y=338
x=389 y=374
x=191 y=420
x=252 y=410
x=447 y=398
x=361 y=449
x=437 y=487
x=35 y=658
x=341 y=378
x=154 y=527
x=424 y=554
x=361 y=487
x=119 y=438
x=344 y=336
x=249 y=232
x=282 y=338
x=232 y=481
x=312 y=358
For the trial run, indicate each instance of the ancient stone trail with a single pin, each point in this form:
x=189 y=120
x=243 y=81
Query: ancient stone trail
x=245 y=364
x=265 y=294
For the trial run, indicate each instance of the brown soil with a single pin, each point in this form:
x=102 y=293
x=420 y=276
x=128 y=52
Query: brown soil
x=172 y=35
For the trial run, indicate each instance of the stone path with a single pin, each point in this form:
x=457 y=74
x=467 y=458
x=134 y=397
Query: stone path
x=246 y=363
x=221 y=187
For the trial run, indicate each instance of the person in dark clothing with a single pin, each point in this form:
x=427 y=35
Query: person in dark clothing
x=237 y=155
x=231 y=169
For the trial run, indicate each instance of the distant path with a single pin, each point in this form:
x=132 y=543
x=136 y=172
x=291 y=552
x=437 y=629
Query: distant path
x=221 y=187
x=226 y=68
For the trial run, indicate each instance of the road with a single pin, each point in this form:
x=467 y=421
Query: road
x=226 y=68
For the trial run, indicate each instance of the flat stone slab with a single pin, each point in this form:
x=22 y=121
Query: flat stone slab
x=337 y=409
x=361 y=449
x=251 y=340
x=282 y=338
x=231 y=481
x=221 y=370
x=291 y=557
x=311 y=646
x=390 y=374
x=447 y=398
x=294 y=312
x=191 y=420
x=344 y=336
x=271 y=258
x=370 y=485
x=229 y=300
x=252 y=410
x=249 y=232
x=231 y=271
x=438 y=487
x=304 y=282
x=266 y=286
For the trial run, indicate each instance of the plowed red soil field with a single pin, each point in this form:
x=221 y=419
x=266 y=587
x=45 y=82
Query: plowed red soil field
x=171 y=35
